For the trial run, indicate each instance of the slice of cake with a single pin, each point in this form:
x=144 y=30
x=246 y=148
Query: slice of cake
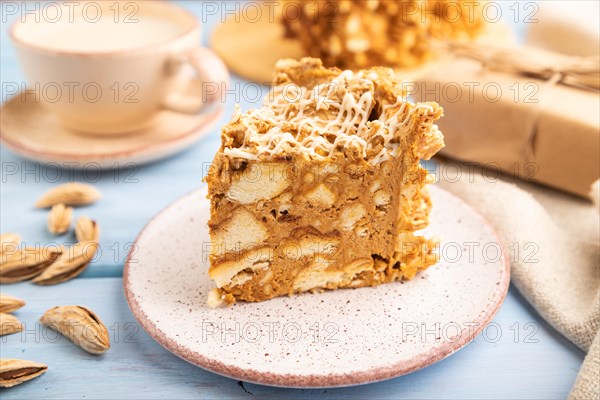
x=321 y=188
x=359 y=33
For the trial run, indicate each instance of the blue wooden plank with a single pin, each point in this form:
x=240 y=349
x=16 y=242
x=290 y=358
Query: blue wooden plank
x=518 y=357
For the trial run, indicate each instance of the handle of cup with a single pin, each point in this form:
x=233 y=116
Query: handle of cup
x=214 y=78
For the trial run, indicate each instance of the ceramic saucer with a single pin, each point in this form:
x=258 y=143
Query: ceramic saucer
x=31 y=131
x=336 y=338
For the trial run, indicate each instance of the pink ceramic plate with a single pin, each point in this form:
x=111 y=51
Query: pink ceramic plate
x=337 y=338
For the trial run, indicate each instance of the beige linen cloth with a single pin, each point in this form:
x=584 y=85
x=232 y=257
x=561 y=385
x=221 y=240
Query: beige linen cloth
x=564 y=284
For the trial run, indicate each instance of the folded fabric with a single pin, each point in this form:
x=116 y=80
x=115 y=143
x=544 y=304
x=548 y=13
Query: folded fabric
x=561 y=280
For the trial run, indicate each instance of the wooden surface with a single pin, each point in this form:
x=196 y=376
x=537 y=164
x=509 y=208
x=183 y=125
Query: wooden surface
x=528 y=360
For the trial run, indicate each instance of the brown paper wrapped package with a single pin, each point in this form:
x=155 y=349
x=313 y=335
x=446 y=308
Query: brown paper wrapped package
x=568 y=27
x=545 y=132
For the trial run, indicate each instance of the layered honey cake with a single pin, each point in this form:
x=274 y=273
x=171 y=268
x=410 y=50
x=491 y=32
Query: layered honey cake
x=321 y=187
x=360 y=33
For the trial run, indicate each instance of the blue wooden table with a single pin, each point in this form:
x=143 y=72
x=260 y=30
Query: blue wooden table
x=518 y=356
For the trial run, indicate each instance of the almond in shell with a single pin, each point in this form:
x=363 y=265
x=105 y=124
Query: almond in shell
x=25 y=264
x=14 y=372
x=72 y=194
x=9 y=324
x=72 y=262
x=81 y=325
x=59 y=219
x=10 y=304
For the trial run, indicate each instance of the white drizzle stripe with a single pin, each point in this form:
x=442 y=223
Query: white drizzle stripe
x=296 y=108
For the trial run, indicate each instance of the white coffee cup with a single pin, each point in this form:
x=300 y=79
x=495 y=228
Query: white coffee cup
x=111 y=67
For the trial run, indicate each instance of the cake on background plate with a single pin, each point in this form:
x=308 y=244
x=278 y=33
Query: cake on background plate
x=321 y=187
x=360 y=33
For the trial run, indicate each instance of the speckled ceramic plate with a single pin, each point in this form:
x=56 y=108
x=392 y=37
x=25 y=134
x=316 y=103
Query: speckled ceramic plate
x=337 y=338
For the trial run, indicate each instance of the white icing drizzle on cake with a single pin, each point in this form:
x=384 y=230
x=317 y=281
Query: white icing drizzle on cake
x=290 y=107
